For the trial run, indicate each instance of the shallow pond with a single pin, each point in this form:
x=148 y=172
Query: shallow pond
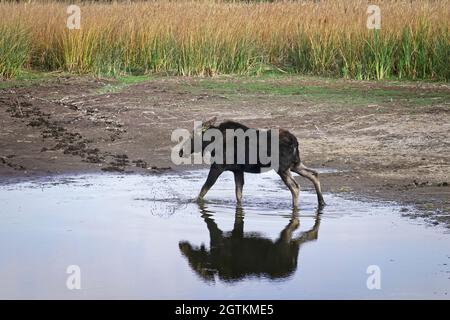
x=135 y=236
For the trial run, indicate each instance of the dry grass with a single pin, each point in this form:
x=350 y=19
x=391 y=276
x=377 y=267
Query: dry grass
x=191 y=38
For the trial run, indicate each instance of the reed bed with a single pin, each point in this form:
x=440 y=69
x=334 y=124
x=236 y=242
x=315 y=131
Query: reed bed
x=327 y=38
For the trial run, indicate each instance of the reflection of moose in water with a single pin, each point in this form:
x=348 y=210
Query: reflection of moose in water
x=236 y=255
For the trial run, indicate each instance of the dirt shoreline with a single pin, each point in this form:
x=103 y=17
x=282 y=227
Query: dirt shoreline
x=392 y=149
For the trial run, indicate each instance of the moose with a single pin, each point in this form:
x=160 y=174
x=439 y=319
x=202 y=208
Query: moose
x=288 y=159
x=235 y=255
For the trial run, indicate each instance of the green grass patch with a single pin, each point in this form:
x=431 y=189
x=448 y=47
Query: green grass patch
x=122 y=82
x=322 y=91
x=27 y=78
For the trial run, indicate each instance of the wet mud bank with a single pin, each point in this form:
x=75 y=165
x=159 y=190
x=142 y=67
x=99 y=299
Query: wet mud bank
x=396 y=149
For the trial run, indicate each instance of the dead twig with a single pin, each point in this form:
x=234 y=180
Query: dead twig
x=19 y=107
x=320 y=132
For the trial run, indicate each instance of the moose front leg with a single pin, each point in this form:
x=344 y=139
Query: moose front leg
x=239 y=181
x=292 y=185
x=214 y=173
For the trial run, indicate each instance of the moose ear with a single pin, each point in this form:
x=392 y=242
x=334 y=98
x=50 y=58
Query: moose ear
x=209 y=123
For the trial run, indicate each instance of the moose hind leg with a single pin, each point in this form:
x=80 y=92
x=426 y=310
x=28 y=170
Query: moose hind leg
x=292 y=185
x=301 y=166
x=239 y=181
x=306 y=173
x=213 y=174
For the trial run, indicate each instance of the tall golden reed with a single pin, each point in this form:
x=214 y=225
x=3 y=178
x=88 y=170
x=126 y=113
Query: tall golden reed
x=327 y=37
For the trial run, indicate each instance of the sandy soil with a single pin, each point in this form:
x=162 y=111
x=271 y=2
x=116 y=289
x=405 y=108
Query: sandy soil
x=389 y=150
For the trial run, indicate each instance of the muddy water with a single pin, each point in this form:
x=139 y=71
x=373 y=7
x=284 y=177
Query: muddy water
x=143 y=237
